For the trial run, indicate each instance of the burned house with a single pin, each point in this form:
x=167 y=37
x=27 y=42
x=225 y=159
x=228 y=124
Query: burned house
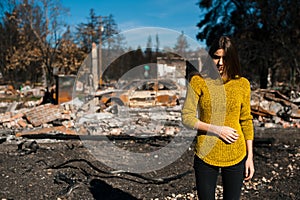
x=175 y=68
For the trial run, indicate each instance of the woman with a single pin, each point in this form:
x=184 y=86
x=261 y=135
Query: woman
x=219 y=109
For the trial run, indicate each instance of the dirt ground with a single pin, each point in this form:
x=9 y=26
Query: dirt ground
x=65 y=169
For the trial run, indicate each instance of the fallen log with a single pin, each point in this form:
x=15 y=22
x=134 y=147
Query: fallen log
x=258 y=110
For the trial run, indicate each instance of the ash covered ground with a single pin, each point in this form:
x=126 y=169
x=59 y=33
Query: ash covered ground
x=66 y=169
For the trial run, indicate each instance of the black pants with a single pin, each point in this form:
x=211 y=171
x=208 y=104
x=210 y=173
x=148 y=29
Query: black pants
x=206 y=179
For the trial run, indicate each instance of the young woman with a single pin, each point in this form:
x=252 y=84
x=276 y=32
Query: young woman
x=219 y=109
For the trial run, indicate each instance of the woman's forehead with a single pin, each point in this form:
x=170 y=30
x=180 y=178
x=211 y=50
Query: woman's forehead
x=220 y=52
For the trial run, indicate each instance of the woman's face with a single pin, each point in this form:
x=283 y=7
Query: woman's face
x=218 y=59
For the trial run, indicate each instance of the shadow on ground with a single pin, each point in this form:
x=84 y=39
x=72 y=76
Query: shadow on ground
x=103 y=191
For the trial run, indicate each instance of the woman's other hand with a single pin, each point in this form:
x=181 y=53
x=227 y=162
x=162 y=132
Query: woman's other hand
x=226 y=133
x=249 y=169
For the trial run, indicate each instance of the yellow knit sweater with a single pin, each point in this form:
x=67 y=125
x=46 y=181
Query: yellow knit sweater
x=223 y=104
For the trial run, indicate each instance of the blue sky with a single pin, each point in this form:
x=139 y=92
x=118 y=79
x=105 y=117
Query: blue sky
x=178 y=15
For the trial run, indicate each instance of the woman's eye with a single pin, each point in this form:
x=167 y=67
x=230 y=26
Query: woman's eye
x=218 y=57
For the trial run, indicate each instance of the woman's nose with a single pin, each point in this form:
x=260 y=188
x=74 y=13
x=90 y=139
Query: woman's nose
x=221 y=61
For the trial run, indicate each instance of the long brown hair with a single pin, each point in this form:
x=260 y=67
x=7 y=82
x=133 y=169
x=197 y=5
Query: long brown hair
x=232 y=66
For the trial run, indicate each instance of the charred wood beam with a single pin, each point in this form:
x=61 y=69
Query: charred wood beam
x=117 y=172
x=258 y=110
x=283 y=101
x=95 y=137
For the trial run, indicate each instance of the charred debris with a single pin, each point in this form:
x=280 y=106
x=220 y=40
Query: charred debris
x=145 y=107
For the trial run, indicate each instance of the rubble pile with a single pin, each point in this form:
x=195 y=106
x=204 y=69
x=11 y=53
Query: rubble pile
x=73 y=118
x=272 y=109
x=40 y=116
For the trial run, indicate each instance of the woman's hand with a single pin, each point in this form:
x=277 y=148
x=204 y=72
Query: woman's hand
x=249 y=165
x=226 y=133
x=249 y=168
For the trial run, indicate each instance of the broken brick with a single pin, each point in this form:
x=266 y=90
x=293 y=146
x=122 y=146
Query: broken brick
x=22 y=123
x=43 y=114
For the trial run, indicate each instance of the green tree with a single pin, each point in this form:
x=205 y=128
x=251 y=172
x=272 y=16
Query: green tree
x=181 y=47
x=157 y=45
x=112 y=41
x=266 y=32
x=87 y=33
x=148 y=50
x=110 y=31
x=97 y=27
x=103 y=31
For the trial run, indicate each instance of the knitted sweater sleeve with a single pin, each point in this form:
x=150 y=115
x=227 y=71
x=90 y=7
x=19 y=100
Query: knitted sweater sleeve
x=189 y=109
x=245 y=116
